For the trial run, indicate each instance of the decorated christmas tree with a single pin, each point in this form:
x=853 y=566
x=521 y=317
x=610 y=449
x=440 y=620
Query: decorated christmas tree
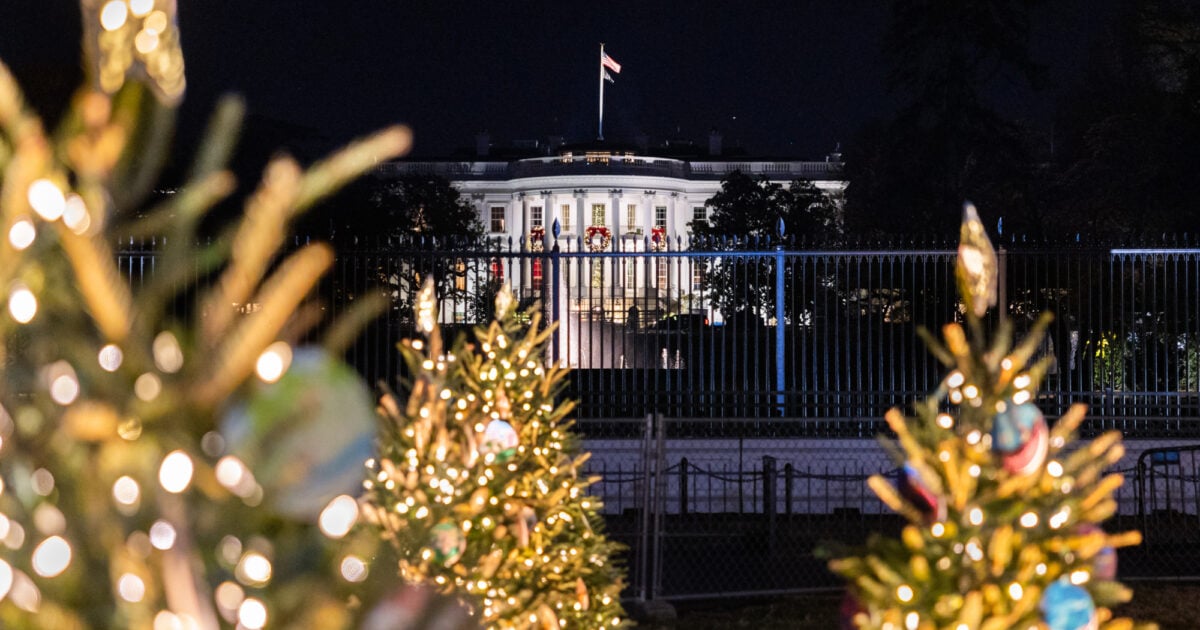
x=1003 y=512
x=479 y=480
x=170 y=455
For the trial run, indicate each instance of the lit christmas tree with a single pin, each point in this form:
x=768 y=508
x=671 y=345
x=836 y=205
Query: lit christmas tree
x=1003 y=512
x=155 y=471
x=479 y=485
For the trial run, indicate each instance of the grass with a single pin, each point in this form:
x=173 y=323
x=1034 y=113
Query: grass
x=1174 y=606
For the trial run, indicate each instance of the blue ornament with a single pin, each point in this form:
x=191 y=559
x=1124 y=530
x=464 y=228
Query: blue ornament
x=917 y=492
x=304 y=437
x=1013 y=427
x=1066 y=606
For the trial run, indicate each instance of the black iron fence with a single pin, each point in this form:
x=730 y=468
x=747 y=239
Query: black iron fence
x=829 y=344
x=708 y=518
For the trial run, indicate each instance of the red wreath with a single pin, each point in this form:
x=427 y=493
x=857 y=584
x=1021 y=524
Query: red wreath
x=590 y=234
x=537 y=237
x=658 y=238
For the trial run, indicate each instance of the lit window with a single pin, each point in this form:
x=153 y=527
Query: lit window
x=460 y=275
x=660 y=272
x=535 y=216
x=660 y=216
x=497 y=218
x=631 y=217
x=598 y=214
x=565 y=211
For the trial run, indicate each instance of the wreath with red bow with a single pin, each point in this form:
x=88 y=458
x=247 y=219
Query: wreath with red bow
x=597 y=238
x=658 y=238
x=537 y=237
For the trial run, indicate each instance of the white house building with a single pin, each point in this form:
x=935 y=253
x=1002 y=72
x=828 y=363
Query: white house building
x=608 y=198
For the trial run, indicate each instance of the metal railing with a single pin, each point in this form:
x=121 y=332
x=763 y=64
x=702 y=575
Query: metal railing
x=718 y=333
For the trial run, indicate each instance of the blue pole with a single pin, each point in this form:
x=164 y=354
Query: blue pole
x=779 y=326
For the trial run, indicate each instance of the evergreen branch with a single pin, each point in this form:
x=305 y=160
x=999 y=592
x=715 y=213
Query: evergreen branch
x=346 y=329
x=328 y=175
x=258 y=238
x=180 y=214
x=99 y=282
x=147 y=150
x=282 y=292
x=220 y=137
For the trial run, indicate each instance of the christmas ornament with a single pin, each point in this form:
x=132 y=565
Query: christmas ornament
x=523 y=525
x=1104 y=563
x=1013 y=427
x=1030 y=456
x=914 y=489
x=1066 y=606
x=305 y=436
x=581 y=594
x=976 y=264
x=448 y=542
x=499 y=439
x=847 y=611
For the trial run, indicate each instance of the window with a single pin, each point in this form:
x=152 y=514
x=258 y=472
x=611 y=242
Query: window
x=660 y=216
x=660 y=273
x=630 y=274
x=497 y=218
x=535 y=216
x=699 y=213
x=565 y=213
x=598 y=214
x=631 y=217
x=697 y=276
x=460 y=275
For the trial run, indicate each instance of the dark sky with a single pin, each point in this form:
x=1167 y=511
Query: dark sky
x=782 y=78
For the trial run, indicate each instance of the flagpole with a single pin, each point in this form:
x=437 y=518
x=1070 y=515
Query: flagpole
x=601 y=126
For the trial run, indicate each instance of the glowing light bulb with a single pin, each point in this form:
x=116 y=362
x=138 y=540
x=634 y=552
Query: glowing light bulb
x=140 y=8
x=47 y=199
x=252 y=614
x=22 y=304
x=975 y=516
x=147 y=387
x=1015 y=591
x=22 y=234
x=110 y=357
x=75 y=215
x=162 y=535
x=175 y=474
x=6 y=578
x=168 y=356
x=51 y=557
x=126 y=491
x=945 y=420
x=131 y=588
x=339 y=516
x=254 y=568
x=353 y=569
x=113 y=15
x=274 y=361
x=1029 y=519
x=146 y=40
x=904 y=593
x=229 y=596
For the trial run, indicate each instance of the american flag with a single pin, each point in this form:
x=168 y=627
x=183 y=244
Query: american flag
x=610 y=63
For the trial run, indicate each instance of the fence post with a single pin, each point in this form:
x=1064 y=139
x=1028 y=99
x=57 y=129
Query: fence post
x=555 y=278
x=1002 y=283
x=660 y=498
x=769 y=483
x=643 y=572
x=779 y=323
x=683 y=486
x=789 y=472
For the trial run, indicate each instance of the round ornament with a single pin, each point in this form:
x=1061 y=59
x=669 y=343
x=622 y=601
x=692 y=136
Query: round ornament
x=1066 y=606
x=1013 y=427
x=499 y=439
x=304 y=437
x=917 y=492
x=848 y=610
x=1029 y=457
x=447 y=542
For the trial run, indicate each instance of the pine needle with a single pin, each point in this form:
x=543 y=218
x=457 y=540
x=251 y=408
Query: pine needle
x=99 y=282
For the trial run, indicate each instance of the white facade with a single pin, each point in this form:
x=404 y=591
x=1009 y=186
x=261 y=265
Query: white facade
x=628 y=194
x=637 y=199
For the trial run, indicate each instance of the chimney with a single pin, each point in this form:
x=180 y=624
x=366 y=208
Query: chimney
x=714 y=143
x=483 y=144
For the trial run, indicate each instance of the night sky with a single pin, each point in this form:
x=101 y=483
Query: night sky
x=787 y=79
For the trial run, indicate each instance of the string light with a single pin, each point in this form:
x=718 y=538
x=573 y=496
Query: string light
x=274 y=362
x=22 y=304
x=113 y=15
x=131 y=588
x=22 y=234
x=175 y=474
x=47 y=199
x=339 y=516
x=75 y=215
x=110 y=358
x=51 y=557
x=162 y=535
x=252 y=614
